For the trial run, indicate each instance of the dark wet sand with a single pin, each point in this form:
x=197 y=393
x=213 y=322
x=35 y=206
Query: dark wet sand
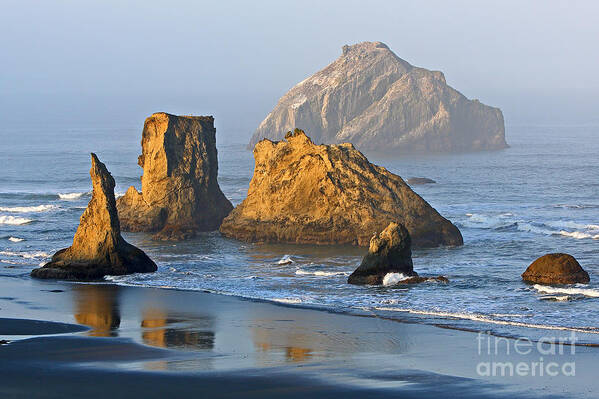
x=148 y=342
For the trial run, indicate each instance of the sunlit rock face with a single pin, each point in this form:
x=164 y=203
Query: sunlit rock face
x=98 y=248
x=180 y=194
x=378 y=102
x=304 y=193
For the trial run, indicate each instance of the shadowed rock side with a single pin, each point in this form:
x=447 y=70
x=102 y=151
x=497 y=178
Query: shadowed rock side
x=98 y=248
x=377 y=101
x=329 y=194
x=556 y=269
x=179 y=189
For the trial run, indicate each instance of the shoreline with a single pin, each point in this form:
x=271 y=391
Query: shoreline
x=197 y=336
x=419 y=316
x=358 y=312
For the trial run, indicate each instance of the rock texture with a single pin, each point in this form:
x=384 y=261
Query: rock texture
x=179 y=189
x=556 y=269
x=390 y=251
x=98 y=248
x=377 y=101
x=329 y=194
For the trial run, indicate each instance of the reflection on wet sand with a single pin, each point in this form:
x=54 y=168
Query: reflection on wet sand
x=294 y=354
x=266 y=340
x=97 y=307
x=174 y=331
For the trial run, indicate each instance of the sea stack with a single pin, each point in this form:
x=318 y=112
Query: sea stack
x=389 y=260
x=390 y=251
x=329 y=194
x=98 y=248
x=375 y=100
x=556 y=269
x=179 y=189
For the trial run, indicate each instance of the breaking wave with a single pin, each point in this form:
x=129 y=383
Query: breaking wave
x=486 y=319
x=394 y=278
x=589 y=292
x=15 y=239
x=505 y=221
x=290 y=301
x=285 y=260
x=578 y=235
x=72 y=196
x=27 y=209
x=480 y=221
x=556 y=298
x=26 y=255
x=14 y=220
x=320 y=273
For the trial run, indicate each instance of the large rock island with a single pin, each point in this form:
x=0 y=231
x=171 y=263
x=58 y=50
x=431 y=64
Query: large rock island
x=377 y=101
x=179 y=189
x=98 y=248
x=329 y=194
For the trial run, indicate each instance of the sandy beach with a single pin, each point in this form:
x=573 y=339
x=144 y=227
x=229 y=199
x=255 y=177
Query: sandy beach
x=163 y=341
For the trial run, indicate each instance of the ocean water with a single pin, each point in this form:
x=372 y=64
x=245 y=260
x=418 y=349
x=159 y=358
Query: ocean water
x=541 y=195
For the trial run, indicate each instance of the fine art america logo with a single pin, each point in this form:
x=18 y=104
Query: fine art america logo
x=522 y=357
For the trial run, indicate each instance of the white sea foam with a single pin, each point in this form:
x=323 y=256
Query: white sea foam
x=320 y=273
x=555 y=298
x=568 y=224
x=561 y=227
x=485 y=319
x=579 y=235
x=115 y=279
x=535 y=229
x=285 y=260
x=394 y=278
x=26 y=255
x=510 y=315
x=480 y=221
x=14 y=220
x=15 y=239
x=71 y=196
x=390 y=301
x=287 y=300
x=567 y=290
x=27 y=209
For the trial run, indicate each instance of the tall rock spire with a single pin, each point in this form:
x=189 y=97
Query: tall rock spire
x=98 y=248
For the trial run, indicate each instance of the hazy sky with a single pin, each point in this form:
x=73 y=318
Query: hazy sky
x=112 y=63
